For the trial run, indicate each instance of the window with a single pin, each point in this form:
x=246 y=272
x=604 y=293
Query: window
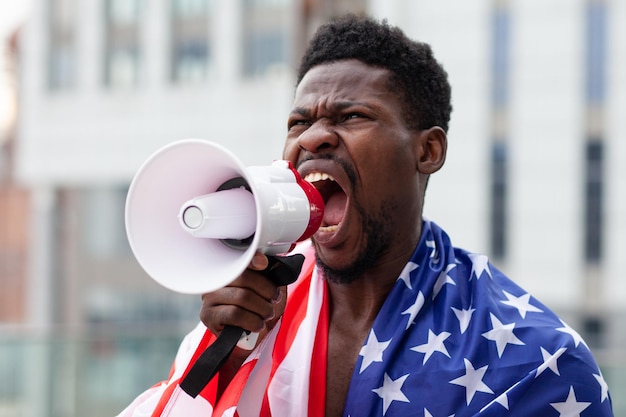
x=190 y=49
x=61 y=46
x=104 y=227
x=499 y=185
x=500 y=72
x=122 y=43
x=500 y=56
x=265 y=47
x=595 y=66
x=594 y=180
x=596 y=51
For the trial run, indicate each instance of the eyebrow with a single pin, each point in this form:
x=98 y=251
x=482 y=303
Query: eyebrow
x=299 y=111
x=337 y=106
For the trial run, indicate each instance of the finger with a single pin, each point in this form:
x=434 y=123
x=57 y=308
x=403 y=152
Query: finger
x=257 y=283
x=259 y=262
x=215 y=316
x=249 y=300
x=279 y=308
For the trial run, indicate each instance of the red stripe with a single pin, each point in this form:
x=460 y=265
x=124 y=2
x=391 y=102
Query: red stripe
x=209 y=392
x=235 y=388
x=294 y=314
x=207 y=339
x=158 y=410
x=317 y=379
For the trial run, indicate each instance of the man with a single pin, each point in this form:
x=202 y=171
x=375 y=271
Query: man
x=388 y=317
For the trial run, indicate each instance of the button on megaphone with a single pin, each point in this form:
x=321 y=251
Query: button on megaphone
x=195 y=215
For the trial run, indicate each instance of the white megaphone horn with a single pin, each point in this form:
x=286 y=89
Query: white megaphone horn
x=195 y=215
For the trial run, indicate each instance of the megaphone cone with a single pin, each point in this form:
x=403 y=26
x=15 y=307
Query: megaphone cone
x=195 y=215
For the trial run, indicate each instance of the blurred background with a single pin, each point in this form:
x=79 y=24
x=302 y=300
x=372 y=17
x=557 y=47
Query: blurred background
x=90 y=88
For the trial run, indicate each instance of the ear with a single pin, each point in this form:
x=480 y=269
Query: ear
x=431 y=146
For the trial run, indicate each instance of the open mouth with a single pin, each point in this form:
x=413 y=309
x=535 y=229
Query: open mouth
x=335 y=199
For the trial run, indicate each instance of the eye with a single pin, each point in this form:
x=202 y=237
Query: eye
x=297 y=123
x=353 y=116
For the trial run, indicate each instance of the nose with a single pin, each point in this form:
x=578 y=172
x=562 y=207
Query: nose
x=318 y=137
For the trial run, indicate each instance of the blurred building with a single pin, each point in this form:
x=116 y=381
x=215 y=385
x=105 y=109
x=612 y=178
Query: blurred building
x=534 y=178
x=13 y=206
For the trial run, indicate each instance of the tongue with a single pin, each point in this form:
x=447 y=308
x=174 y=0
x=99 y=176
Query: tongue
x=334 y=209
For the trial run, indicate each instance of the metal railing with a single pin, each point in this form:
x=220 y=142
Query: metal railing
x=97 y=374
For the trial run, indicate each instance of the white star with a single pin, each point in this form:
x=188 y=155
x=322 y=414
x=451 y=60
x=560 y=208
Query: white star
x=480 y=264
x=570 y=408
x=434 y=344
x=502 y=334
x=414 y=309
x=603 y=386
x=464 y=317
x=405 y=275
x=391 y=391
x=427 y=413
x=550 y=361
x=443 y=279
x=571 y=332
x=502 y=399
x=431 y=244
x=521 y=303
x=372 y=351
x=472 y=381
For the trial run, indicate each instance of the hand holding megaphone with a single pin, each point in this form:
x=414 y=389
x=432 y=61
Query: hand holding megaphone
x=195 y=216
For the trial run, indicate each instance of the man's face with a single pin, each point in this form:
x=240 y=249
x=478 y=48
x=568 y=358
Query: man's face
x=347 y=136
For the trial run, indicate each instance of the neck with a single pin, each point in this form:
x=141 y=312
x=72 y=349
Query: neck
x=360 y=300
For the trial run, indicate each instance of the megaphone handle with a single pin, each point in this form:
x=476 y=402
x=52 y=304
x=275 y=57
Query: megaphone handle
x=282 y=270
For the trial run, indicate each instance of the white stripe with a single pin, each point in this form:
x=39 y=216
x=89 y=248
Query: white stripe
x=251 y=398
x=182 y=404
x=289 y=389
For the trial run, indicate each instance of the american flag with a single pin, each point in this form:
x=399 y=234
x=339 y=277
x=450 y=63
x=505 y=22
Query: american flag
x=455 y=337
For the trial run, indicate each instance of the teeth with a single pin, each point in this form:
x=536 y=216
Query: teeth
x=314 y=177
x=317 y=176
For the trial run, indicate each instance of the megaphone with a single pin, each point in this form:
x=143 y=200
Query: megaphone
x=195 y=215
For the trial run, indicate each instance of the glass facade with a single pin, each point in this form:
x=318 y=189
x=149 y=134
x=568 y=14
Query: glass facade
x=594 y=152
x=594 y=196
x=191 y=39
x=122 y=46
x=499 y=214
x=595 y=56
x=265 y=36
x=500 y=79
x=95 y=374
x=61 y=45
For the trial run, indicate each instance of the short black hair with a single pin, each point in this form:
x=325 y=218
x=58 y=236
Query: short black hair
x=416 y=75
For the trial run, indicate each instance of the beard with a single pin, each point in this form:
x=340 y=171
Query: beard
x=377 y=232
x=378 y=235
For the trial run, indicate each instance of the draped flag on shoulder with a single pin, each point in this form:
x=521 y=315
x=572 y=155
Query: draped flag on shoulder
x=455 y=337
